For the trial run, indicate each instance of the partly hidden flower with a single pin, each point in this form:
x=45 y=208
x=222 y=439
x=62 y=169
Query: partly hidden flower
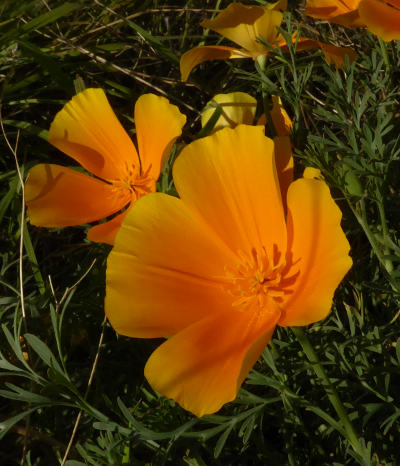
x=381 y=17
x=245 y=26
x=87 y=130
x=237 y=108
x=216 y=270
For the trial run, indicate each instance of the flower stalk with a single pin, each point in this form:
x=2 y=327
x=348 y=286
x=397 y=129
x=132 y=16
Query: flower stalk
x=333 y=396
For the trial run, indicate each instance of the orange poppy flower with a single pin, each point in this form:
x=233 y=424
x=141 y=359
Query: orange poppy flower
x=244 y=25
x=87 y=130
x=381 y=17
x=217 y=269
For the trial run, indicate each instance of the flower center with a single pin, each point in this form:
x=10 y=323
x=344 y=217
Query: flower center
x=257 y=277
x=134 y=184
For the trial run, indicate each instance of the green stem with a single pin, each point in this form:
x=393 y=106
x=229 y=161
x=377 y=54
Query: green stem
x=362 y=220
x=385 y=232
x=330 y=390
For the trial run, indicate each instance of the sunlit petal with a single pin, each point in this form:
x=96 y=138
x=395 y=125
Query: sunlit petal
x=245 y=24
x=87 y=130
x=160 y=278
x=206 y=365
x=57 y=197
x=194 y=57
x=238 y=195
x=381 y=18
x=158 y=124
x=319 y=252
x=236 y=108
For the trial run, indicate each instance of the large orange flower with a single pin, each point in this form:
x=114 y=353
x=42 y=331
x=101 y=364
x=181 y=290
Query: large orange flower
x=244 y=25
x=87 y=130
x=219 y=268
x=379 y=16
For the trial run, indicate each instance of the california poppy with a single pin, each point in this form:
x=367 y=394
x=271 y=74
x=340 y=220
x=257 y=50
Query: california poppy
x=381 y=17
x=218 y=268
x=87 y=130
x=245 y=25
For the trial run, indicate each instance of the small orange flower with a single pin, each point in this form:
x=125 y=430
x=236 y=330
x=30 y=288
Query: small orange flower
x=87 y=130
x=381 y=17
x=244 y=25
x=217 y=269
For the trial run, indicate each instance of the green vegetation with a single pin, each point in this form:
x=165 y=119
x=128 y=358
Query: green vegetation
x=63 y=367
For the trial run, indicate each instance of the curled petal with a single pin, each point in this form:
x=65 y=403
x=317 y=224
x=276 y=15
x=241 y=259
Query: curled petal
x=160 y=278
x=333 y=54
x=282 y=123
x=57 y=196
x=158 y=124
x=317 y=249
x=284 y=164
x=244 y=25
x=382 y=18
x=235 y=190
x=87 y=130
x=206 y=365
x=236 y=108
x=194 y=57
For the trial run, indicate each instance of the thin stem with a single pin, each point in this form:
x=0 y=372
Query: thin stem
x=329 y=388
x=89 y=384
x=385 y=233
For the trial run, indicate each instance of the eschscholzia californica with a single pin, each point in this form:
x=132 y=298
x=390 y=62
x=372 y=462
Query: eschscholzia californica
x=245 y=25
x=237 y=108
x=87 y=130
x=381 y=17
x=218 y=268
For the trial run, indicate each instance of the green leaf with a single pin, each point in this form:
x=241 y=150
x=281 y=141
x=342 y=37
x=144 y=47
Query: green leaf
x=43 y=351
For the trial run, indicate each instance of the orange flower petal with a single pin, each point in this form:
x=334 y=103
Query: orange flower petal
x=160 y=278
x=106 y=232
x=333 y=54
x=337 y=55
x=284 y=163
x=158 y=124
x=236 y=107
x=319 y=252
x=245 y=24
x=194 y=57
x=282 y=123
x=87 y=130
x=234 y=189
x=381 y=19
x=57 y=197
x=206 y=365
x=344 y=13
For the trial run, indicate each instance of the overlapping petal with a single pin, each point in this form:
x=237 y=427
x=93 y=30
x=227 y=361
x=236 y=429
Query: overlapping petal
x=206 y=365
x=238 y=193
x=340 y=12
x=236 y=108
x=57 y=196
x=160 y=278
x=194 y=57
x=87 y=130
x=154 y=114
x=318 y=252
x=382 y=18
x=107 y=231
